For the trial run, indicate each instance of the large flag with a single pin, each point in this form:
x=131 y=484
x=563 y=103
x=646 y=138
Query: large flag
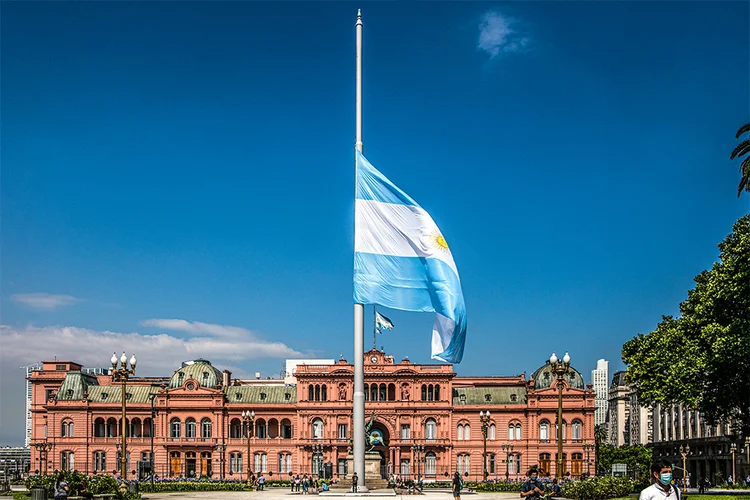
x=402 y=261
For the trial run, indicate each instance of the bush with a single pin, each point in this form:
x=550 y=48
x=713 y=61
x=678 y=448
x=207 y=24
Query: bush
x=97 y=484
x=166 y=485
x=494 y=487
x=600 y=488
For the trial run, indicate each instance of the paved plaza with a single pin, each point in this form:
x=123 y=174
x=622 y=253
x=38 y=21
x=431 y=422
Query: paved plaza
x=279 y=494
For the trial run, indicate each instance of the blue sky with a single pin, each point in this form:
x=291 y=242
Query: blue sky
x=193 y=162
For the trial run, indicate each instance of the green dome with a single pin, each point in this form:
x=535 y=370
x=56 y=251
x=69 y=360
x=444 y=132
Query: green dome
x=544 y=376
x=199 y=370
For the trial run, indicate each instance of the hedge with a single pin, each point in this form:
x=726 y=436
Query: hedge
x=599 y=488
x=97 y=484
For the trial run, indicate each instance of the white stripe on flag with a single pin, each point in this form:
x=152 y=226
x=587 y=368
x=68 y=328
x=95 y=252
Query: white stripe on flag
x=398 y=230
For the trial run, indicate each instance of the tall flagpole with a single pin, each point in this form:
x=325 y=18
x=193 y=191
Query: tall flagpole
x=358 y=415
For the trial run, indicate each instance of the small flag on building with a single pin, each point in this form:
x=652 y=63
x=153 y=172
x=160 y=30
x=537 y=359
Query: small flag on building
x=382 y=323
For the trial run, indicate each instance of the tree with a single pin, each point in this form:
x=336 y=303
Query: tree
x=637 y=458
x=702 y=358
x=742 y=149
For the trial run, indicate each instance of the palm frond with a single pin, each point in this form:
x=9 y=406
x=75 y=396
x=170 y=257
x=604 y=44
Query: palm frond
x=741 y=149
x=742 y=130
x=744 y=184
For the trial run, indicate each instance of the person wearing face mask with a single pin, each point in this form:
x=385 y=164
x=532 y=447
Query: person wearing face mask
x=662 y=489
x=532 y=488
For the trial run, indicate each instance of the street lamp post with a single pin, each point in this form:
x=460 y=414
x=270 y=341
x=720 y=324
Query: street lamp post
x=684 y=452
x=560 y=368
x=507 y=448
x=733 y=449
x=484 y=418
x=418 y=449
x=43 y=448
x=122 y=374
x=248 y=417
x=220 y=449
x=588 y=448
x=153 y=427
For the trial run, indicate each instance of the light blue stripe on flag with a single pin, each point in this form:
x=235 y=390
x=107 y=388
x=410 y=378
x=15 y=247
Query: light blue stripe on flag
x=402 y=261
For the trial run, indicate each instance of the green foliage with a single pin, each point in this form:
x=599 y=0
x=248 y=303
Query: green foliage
x=599 y=488
x=198 y=485
x=739 y=151
x=97 y=484
x=495 y=487
x=638 y=458
x=702 y=358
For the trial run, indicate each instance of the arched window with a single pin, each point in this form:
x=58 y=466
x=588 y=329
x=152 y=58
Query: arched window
x=518 y=432
x=576 y=430
x=261 y=429
x=99 y=428
x=174 y=428
x=576 y=464
x=383 y=393
x=424 y=392
x=317 y=429
x=391 y=392
x=235 y=428
x=430 y=393
x=135 y=427
x=100 y=461
x=310 y=393
x=491 y=432
x=430 y=429
x=317 y=393
x=467 y=432
x=437 y=393
x=273 y=428
x=206 y=428
x=563 y=431
x=235 y=463
x=148 y=427
x=261 y=462
x=430 y=464
x=67 y=429
x=511 y=432
x=460 y=435
x=544 y=432
x=544 y=460
x=367 y=392
x=190 y=430
x=323 y=394
x=374 y=392
x=286 y=429
x=112 y=427
x=491 y=463
x=464 y=464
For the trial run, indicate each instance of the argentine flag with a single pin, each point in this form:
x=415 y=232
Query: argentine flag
x=402 y=261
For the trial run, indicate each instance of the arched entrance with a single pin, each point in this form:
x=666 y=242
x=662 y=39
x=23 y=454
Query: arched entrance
x=382 y=449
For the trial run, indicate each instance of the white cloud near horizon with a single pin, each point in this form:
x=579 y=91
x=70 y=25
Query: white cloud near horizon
x=198 y=328
x=497 y=35
x=44 y=301
x=92 y=348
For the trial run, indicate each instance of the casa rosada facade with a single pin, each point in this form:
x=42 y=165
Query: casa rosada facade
x=429 y=419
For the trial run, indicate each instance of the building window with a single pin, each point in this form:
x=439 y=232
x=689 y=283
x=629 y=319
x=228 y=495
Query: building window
x=575 y=430
x=286 y=429
x=430 y=464
x=460 y=432
x=491 y=432
x=261 y=429
x=261 y=462
x=464 y=432
x=262 y=396
x=405 y=432
x=462 y=399
x=424 y=392
x=518 y=432
x=235 y=463
x=430 y=429
x=513 y=398
x=174 y=428
x=100 y=461
x=235 y=428
x=544 y=461
x=324 y=393
x=405 y=467
x=342 y=467
x=310 y=393
x=488 y=397
x=576 y=465
x=317 y=429
x=544 y=432
x=67 y=460
x=491 y=461
x=511 y=432
x=563 y=431
x=67 y=429
x=190 y=428
x=374 y=392
x=343 y=431
x=99 y=428
x=518 y=463
x=206 y=428
x=463 y=464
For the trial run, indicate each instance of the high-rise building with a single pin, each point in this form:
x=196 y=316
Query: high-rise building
x=28 y=369
x=600 y=379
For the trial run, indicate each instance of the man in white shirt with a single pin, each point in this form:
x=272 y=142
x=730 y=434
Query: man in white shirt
x=662 y=489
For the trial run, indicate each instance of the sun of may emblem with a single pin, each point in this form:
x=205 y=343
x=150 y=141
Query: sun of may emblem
x=439 y=242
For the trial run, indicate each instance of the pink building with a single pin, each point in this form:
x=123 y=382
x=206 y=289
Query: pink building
x=428 y=417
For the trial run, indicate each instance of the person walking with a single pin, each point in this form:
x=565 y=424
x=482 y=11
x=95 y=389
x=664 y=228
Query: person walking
x=355 y=480
x=261 y=481
x=662 y=487
x=457 y=485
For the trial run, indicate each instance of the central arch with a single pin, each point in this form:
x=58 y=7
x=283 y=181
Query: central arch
x=382 y=449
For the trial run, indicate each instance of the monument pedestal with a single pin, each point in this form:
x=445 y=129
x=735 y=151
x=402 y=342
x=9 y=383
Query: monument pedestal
x=373 y=481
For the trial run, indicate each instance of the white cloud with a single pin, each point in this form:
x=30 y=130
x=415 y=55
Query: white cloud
x=197 y=328
x=28 y=344
x=497 y=35
x=44 y=301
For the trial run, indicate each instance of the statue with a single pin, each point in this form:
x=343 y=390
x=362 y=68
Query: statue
x=373 y=437
x=342 y=393
x=405 y=393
